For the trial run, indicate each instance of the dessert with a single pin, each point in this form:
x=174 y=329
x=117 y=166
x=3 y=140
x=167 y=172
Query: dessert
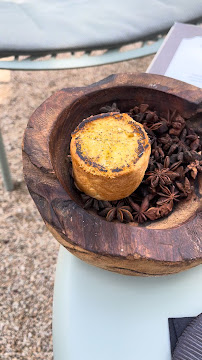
x=110 y=154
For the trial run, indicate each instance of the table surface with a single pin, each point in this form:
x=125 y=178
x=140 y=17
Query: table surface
x=103 y=315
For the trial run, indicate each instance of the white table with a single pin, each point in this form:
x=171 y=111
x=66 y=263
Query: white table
x=99 y=315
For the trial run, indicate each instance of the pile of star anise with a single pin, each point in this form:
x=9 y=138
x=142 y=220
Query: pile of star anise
x=174 y=163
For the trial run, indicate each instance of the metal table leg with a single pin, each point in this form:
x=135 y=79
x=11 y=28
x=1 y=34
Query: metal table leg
x=4 y=167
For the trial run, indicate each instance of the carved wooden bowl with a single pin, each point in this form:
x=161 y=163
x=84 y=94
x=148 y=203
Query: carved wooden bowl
x=167 y=246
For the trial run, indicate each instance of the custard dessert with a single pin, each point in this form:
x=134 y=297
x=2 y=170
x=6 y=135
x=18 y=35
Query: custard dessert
x=110 y=154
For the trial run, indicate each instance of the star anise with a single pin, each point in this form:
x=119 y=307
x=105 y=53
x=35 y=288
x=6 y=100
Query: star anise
x=163 y=174
x=165 y=209
x=181 y=140
x=140 y=113
x=180 y=170
x=185 y=188
x=196 y=155
x=154 y=126
x=134 y=111
x=120 y=211
x=90 y=202
x=152 y=122
x=151 y=117
x=185 y=152
x=170 y=116
x=157 y=151
x=140 y=211
x=152 y=163
x=108 y=108
x=166 y=141
x=143 y=108
x=168 y=196
x=194 y=167
x=153 y=213
x=163 y=128
x=194 y=141
x=178 y=123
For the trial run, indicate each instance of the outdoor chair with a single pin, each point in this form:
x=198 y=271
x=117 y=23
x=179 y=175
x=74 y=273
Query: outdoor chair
x=47 y=35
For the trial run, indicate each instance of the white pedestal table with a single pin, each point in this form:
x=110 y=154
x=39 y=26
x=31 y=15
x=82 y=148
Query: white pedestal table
x=100 y=315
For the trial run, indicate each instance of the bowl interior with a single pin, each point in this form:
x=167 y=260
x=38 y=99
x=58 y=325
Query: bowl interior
x=126 y=97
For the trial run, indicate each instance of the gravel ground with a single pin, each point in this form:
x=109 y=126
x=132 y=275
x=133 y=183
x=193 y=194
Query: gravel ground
x=27 y=263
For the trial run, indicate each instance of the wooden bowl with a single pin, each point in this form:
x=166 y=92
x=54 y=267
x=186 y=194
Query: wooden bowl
x=167 y=246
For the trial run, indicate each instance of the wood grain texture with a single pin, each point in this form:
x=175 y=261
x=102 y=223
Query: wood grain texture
x=163 y=247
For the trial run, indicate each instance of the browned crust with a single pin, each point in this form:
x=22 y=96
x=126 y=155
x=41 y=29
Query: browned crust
x=143 y=143
x=109 y=183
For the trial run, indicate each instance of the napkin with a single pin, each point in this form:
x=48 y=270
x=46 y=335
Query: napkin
x=176 y=328
x=186 y=337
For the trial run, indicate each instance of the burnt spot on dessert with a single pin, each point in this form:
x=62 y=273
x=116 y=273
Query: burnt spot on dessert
x=81 y=155
x=99 y=167
x=140 y=148
x=91 y=119
x=141 y=143
x=140 y=132
x=118 y=116
x=117 y=170
x=87 y=160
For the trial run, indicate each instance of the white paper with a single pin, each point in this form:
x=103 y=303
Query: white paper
x=186 y=64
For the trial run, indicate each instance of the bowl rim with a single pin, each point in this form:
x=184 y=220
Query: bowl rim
x=36 y=154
